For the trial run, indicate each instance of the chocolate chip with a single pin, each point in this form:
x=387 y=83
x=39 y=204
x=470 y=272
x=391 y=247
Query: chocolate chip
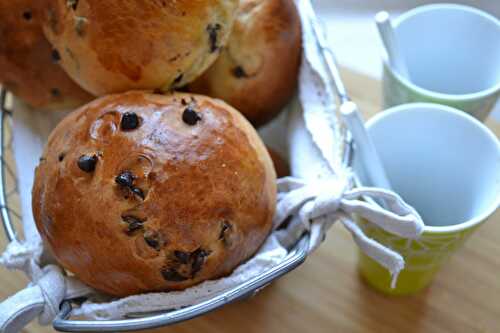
x=200 y=252
x=87 y=163
x=197 y=265
x=174 y=58
x=133 y=222
x=61 y=157
x=27 y=15
x=153 y=239
x=134 y=226
x=198 y=258
x=80 y=23
x=137 y=191
x=239 y=72
x=190 y=116
x=212 y=30
x=130 y=121
x=125 y=178
x=72 y=4
x=225 y=227
x=182 y=257
x=178 y=79
x=56 y=57
x=172 y=275
x=55 y=92
x=132 y=218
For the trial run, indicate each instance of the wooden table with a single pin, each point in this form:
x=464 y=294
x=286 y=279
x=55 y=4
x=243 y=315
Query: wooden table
x=326 y=293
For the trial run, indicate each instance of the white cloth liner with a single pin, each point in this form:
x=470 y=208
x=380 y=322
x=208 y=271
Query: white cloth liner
x=314 y=203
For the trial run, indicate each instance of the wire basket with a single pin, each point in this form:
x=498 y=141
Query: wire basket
x=11 y=219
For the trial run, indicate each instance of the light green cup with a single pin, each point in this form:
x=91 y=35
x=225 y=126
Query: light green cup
x=453 y=57
x=444 y=163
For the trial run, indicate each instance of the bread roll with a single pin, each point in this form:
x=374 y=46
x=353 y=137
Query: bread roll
x=28 y=65
x=141 y=192
x=258 y=70
x=114 y=46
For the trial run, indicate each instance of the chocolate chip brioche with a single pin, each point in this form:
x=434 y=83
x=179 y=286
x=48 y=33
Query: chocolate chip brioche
x=28 y=65
x=141 y=192
x=257 y=72
x=113 y=46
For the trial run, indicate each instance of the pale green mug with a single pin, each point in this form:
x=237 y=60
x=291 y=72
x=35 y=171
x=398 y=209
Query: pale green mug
x=453 y=57
x=444 y=163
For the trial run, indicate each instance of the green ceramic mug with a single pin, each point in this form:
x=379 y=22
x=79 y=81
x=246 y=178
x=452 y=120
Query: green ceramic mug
x=453 y=57
x=444 y=163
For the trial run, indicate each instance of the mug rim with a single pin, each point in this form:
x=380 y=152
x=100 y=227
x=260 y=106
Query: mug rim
x=478 y=219
x=434 y=94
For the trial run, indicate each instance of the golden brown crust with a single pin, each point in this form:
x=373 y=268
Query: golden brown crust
x=114 y=46
x=257 y=72
x=209 y=192
x=27 y=67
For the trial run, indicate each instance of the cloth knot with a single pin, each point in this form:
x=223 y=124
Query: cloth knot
x=315 y=206
x=328 y=198
x=323 y=203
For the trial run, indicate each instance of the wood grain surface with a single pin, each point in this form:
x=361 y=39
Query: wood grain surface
x=326 y=293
